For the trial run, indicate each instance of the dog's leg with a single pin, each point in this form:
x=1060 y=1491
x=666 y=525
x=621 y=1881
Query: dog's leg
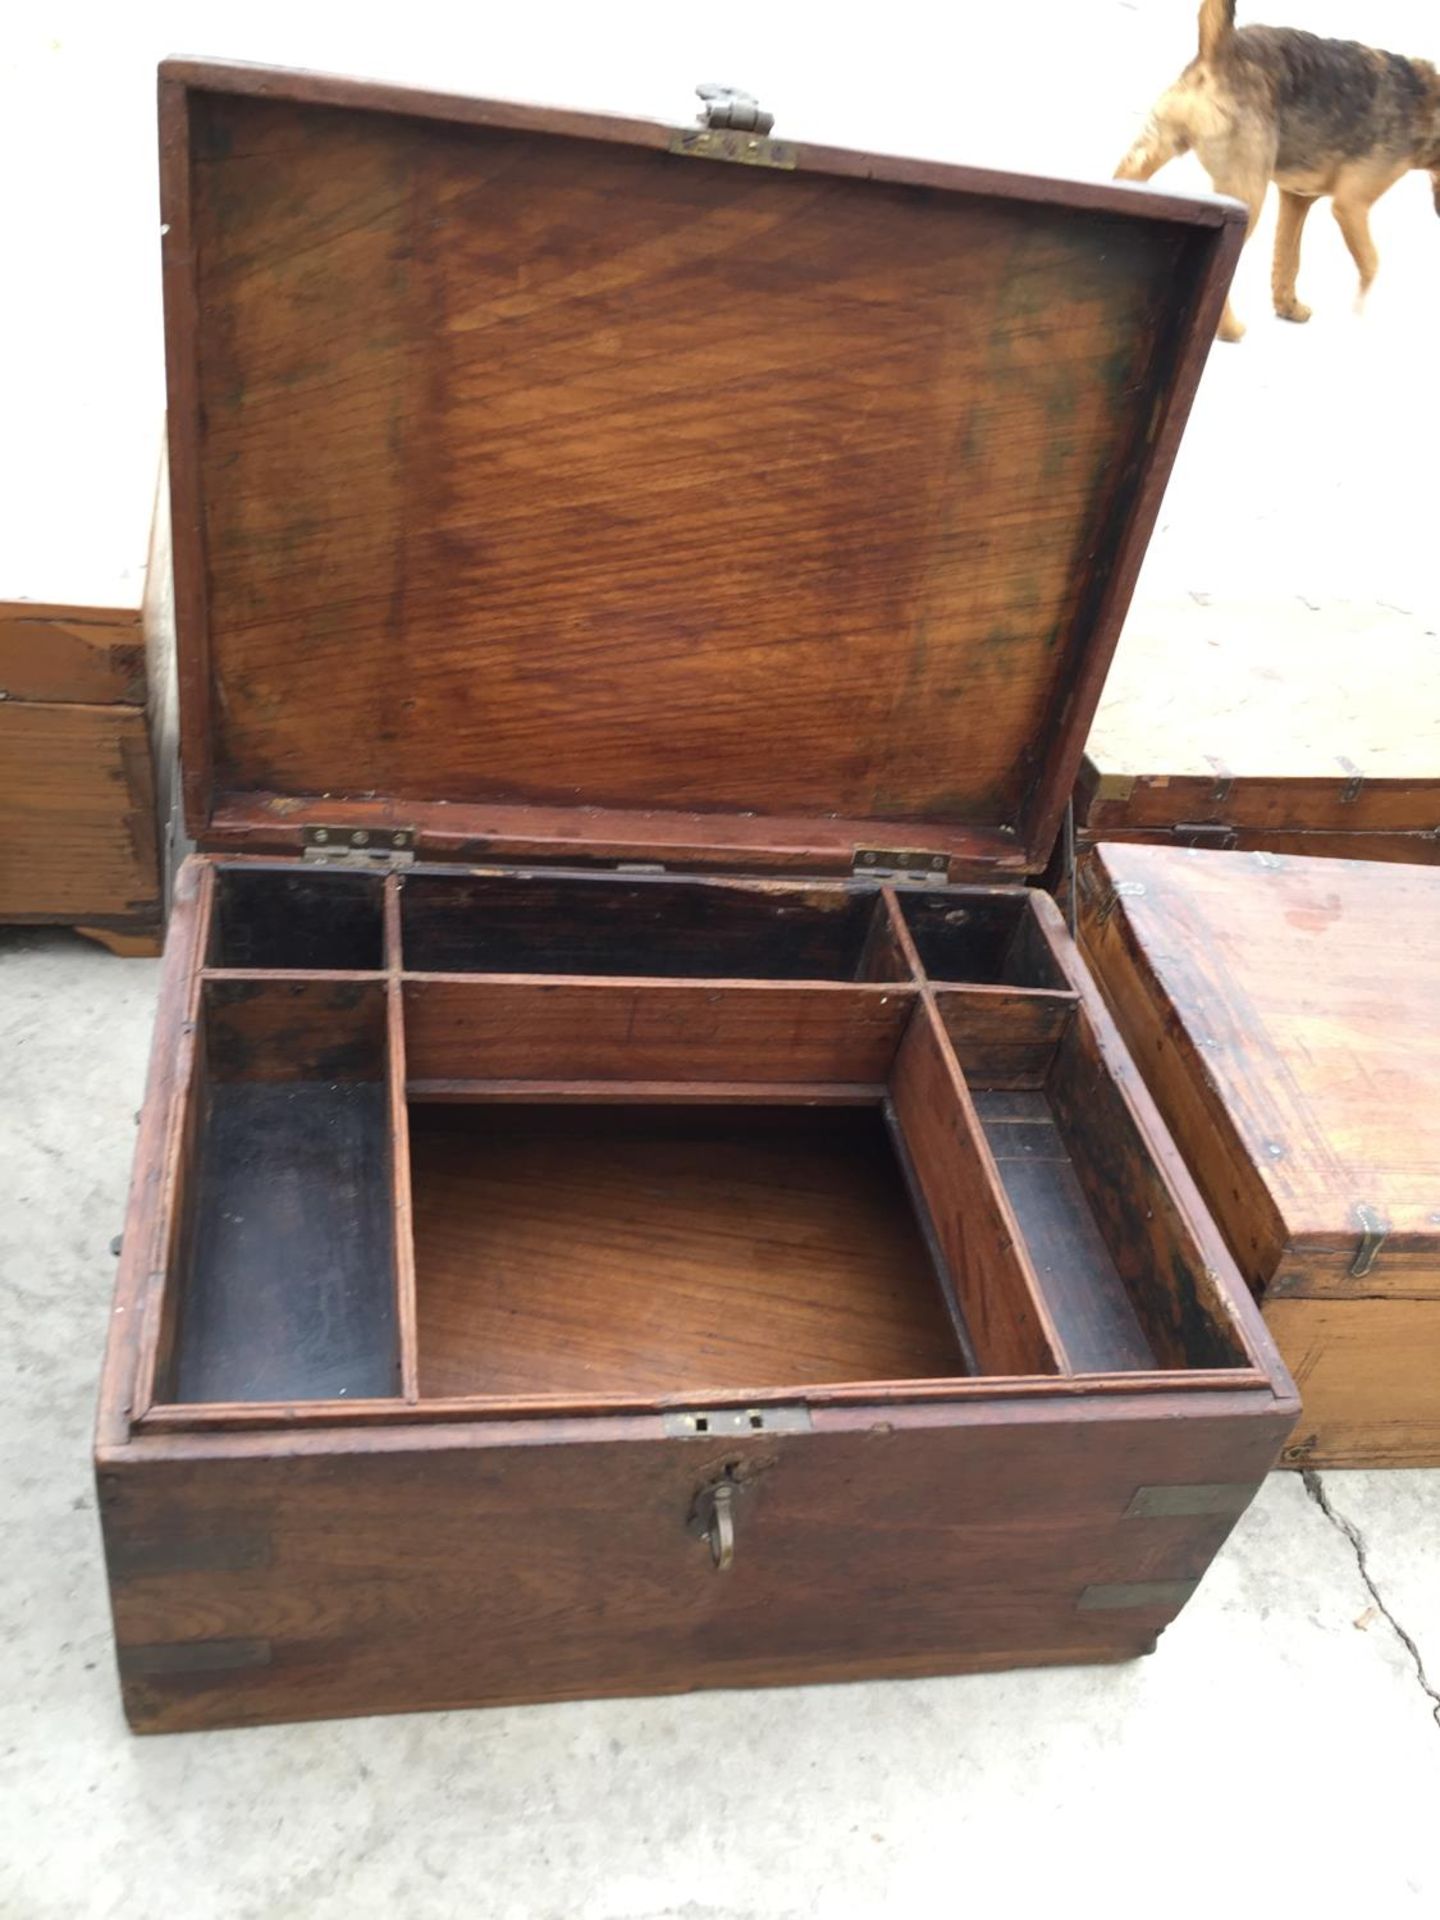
x=1294 y=207
x=1353 y=218
x=1160 y=143
x=1230 y=327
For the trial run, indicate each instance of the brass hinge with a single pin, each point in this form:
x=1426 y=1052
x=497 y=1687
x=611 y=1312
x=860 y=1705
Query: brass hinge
x=901 y=863
x=371 y=849
x=733 y=126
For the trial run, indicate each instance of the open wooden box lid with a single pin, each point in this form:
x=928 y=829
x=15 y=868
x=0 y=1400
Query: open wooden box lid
x=543 y=489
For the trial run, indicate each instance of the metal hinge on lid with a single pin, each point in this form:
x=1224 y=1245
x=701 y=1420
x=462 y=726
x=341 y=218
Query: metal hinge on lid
x=373 y=849
x=1205 y=833
x=733 y=126
x=901 y=863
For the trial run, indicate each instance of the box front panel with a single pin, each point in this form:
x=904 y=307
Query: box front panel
x=443 y=1568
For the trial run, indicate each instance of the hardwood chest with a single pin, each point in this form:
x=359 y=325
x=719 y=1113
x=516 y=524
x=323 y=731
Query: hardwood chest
x=1286 y=1013
x=634 y=1192
x=1234 y=727
x=85 y=699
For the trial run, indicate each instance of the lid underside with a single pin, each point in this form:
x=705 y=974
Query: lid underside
x=549 y=469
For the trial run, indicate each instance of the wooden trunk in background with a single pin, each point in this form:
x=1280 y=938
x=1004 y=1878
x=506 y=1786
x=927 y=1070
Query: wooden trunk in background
x=86 y=718
x=1286 y=1014
x=1260 y=727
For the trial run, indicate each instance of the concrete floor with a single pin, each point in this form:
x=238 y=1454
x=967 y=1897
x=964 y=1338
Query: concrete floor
x=1283 y=1746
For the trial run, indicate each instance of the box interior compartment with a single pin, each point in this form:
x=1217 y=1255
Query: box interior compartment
x=284 y=1284
x=990 y=938
x=274 y=917
x=1125 y=1284
x=598 y=1185
x=697 y=929
x=650 y=1250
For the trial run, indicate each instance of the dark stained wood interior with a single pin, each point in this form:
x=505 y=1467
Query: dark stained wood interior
x=550 y=471
x=655 y=1251
x=285 y=1288
x=695 y=929
x=990 y=936
x=291 y=917
x=1087 y=1298
x=719 y=1141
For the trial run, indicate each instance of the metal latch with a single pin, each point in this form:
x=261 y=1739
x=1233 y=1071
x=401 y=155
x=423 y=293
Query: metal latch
x=727 y=1423
x=733 y=126
x=1205 y=833
x=732 y=107
x=901 y=863
x=373 y=850
x=1374 y=1231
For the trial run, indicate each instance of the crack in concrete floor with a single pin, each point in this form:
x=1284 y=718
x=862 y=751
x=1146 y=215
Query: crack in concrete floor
x=1315 y=1487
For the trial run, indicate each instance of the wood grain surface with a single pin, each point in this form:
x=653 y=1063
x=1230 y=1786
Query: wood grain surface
x=563 y=1250
x=1287 y=1014
x=760 y=492
x=77 y=814
x=1297 y=1007
x=549 y=1559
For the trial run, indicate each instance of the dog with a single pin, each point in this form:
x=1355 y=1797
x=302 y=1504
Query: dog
x=1315 y=116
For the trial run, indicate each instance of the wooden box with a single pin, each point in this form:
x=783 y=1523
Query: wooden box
x=1232 y=727
x=635 y=1193
x=86 y=669
x=1286 y=1013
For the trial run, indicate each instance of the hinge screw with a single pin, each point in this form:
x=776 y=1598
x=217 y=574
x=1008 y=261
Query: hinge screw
x=359 y=837
x=398 y=841
x=321 y=835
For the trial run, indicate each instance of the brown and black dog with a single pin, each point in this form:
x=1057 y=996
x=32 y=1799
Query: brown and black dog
x=1315 y=116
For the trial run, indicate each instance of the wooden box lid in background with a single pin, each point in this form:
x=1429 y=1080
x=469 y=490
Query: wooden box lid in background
x=546 y=487
x=1286 y=1013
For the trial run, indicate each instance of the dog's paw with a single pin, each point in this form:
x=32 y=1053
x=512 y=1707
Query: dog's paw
x=1294 y=310
x=1231 y=331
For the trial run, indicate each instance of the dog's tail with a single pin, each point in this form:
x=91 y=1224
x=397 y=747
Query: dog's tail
x=1217 y=24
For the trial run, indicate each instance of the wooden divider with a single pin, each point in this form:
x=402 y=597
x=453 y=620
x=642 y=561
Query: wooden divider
x=998 y=1293
x=477 y=1029
x=396 y=1074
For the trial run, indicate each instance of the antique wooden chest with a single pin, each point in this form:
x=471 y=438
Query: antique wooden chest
x=1229 y=726
x=86 y=677
x=635 y=1193
x=1286 y=1012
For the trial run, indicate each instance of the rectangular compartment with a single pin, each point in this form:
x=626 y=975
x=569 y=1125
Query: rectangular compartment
x=658 y=1251
x=1124 y=1281
x=989 y=936
x=282 y=918
x=642 y=926
x=284 y=1286
x=645 y=1238
x=472 y=1034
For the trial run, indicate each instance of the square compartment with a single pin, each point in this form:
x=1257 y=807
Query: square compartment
x=984 y=938
x=277 y=918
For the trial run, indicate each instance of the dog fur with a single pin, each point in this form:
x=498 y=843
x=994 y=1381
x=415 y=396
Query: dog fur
x=1315 y=116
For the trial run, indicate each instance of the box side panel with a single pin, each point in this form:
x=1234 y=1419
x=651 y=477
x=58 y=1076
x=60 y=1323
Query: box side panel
x=1192 y=1106
x=1369 y=1377
x=77 y=823
x=449 y=1568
